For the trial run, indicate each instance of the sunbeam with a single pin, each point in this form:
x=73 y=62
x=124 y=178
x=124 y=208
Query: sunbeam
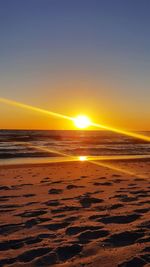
x=118 y=169
x=50 y=113
x=91 y=160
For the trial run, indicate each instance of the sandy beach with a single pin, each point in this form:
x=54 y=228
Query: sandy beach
x=75 y=214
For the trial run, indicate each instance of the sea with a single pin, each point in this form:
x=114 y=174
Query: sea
x=19 y=146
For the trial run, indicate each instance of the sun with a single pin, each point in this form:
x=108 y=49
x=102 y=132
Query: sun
x=82 y=122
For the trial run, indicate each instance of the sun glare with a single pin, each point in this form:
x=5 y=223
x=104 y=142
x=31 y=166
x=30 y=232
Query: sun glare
x=82 y=158
x=82 y=122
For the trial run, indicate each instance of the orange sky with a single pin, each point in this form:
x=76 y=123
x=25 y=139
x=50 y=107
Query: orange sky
x=19 y=118
x=75 y=57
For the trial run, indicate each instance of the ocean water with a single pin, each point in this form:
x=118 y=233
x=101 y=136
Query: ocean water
x=19 y=144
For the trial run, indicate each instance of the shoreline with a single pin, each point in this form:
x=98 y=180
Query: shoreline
x=42 y=161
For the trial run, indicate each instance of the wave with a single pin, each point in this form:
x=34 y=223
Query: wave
x=15 y=143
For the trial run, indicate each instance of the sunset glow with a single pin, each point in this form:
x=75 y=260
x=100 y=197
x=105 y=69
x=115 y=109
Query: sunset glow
x=74 y=133
x=83 y=158
x=82 y=122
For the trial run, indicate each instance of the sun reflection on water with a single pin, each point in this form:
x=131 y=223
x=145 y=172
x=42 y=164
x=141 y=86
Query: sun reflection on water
x=83 y=158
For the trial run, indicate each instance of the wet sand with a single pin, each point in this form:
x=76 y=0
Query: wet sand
x=75 y=214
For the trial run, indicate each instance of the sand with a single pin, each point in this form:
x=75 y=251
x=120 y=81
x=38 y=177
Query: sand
x=75 y=214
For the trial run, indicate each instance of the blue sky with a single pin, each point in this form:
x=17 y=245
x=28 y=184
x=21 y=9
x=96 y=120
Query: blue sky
x=70 y=56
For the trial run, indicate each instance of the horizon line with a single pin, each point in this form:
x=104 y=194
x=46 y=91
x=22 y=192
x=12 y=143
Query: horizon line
x=77 y=130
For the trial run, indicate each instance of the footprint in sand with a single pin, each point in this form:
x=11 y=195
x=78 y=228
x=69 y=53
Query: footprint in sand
x=52 y=203
x=137 y=262
x=67 y=252
x=123 y=239
x=29 y=255
x=47 y=260
x=29 y=195
x=89 y=235
x=141 y=211
x=10 y=228
x=18 y=243
x=3 y=187
x=33 y=213
x=65 y=208
x=54 y=191
x=125 y=198
x=56 y=226
x=121 y=219
x=32 y=222
x=144 y=225
x=78 y=229
x=45 y=180
x=71 y=186
x=115 y=206
x=86 y=201
x=104 y=183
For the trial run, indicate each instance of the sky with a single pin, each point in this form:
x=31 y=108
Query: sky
x=75 y=57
